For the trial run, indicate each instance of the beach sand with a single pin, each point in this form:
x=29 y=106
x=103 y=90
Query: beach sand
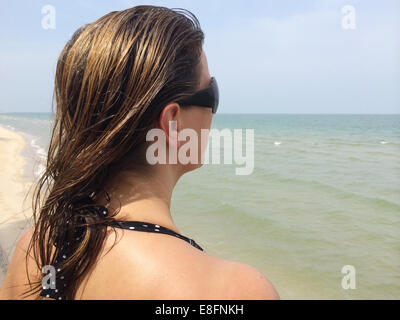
x=15 y=209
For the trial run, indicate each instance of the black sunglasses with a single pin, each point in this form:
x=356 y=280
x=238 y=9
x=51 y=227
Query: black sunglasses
x=208 y=97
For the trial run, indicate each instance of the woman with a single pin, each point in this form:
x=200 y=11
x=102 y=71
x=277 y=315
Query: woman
x=117 y=78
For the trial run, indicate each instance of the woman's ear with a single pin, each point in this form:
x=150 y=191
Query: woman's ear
x=169 y=123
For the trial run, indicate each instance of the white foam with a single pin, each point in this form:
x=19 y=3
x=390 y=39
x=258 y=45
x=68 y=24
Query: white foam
x=39 y=150
x=39 y=155
x=383 y=142
x=277 y=143
x=40 y=170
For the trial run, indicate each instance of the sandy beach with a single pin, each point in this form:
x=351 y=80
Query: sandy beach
x=15 y=210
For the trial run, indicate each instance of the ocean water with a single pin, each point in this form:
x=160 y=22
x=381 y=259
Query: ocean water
x=324 y=193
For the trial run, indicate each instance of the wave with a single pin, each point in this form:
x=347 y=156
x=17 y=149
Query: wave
x=7 y=117
x=39 y=150
x=41 y=156
x=344 y=193
x=36 y=155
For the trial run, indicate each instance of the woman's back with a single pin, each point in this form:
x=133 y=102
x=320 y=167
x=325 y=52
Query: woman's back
x=142 y=265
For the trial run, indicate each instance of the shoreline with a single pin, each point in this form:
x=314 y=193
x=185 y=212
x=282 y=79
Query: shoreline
x=15 y=209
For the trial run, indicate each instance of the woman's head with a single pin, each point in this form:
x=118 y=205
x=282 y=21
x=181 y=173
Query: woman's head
x=116 y=78
x=116 y=75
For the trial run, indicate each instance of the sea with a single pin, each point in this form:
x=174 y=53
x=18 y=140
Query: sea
x=319 y=214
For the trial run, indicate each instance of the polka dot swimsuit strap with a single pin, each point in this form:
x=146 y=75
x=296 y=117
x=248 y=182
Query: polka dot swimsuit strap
x=55 y=290
x=150 y=227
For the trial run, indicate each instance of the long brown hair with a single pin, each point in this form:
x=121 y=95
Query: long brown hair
x=112 y=80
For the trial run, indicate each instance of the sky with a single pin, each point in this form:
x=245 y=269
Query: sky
x=276 y=56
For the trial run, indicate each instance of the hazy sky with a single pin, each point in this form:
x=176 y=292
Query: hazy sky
x=277 y=56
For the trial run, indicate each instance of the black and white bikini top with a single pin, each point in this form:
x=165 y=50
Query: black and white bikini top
x=61 y=282
x=150 y=227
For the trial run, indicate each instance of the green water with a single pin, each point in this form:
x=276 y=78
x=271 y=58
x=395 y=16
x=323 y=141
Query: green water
x=327 y=196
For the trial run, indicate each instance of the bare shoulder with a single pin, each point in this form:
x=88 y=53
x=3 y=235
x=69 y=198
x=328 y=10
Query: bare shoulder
x=25 y=239
x=156 y=266
x=15 y=279
x=151 y=266
x=243 y=281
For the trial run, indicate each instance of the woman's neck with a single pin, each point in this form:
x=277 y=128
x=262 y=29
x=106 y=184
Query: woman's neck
x=143 y=196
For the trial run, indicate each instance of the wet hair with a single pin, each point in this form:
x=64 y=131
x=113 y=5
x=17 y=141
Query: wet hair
x=113 y=78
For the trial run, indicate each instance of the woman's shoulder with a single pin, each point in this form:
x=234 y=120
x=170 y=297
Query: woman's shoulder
x=14 y=283
x=141 y=265
x=245 y=282
x=156 y=266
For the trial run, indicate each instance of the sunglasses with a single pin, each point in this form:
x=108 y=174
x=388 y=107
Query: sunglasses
x=208 y=97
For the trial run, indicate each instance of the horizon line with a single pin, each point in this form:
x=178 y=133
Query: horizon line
x=248 y=113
